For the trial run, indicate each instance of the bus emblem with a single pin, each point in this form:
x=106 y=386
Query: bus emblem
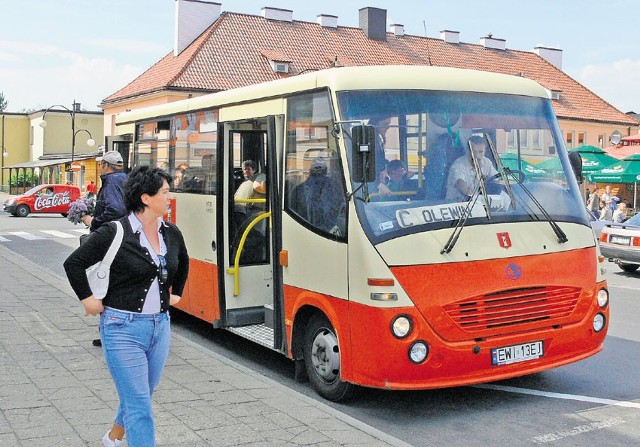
x=504 y=240
x=514 y=271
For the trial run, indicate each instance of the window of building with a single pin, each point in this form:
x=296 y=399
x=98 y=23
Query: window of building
x=602 y=138
x=569 y=139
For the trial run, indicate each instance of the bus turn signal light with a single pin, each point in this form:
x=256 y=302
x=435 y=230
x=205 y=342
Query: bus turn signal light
x=284 y=258
x=386 y=282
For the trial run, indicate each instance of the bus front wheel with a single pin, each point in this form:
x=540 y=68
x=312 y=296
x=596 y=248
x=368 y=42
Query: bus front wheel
x=322 y=360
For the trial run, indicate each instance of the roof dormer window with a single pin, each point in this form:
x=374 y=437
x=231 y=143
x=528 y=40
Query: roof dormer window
x=280 y=66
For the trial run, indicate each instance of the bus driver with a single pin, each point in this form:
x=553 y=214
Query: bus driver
x=462 y=181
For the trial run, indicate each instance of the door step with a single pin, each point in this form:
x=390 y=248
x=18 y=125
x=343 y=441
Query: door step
x=258 y=333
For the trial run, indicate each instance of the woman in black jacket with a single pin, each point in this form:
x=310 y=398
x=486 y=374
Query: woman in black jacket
x=148 y=274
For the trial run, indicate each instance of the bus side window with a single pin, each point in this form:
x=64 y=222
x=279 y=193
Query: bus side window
x=319 y=199
x=314 y=183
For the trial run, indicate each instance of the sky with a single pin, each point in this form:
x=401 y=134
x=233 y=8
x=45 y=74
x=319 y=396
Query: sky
x=55 y=52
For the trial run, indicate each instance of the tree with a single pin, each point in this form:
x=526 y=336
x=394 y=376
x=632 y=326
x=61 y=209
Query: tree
x=3 y=102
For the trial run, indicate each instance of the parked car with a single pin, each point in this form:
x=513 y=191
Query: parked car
x=43 y=199
x=620 y=243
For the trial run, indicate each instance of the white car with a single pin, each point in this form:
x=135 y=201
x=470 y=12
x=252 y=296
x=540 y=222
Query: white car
x=620 y=243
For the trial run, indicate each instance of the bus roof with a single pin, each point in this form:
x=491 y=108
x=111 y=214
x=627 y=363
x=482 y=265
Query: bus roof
x=386 y=77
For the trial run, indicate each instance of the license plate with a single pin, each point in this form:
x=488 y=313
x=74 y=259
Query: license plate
x=620 y=240
x=517 y=353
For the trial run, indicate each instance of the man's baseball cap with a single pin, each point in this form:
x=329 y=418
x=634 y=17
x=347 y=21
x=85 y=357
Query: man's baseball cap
x=112 y=157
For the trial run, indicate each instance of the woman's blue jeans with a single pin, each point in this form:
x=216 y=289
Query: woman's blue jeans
x=135 y=348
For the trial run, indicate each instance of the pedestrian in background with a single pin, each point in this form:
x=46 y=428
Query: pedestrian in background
x=609 y=199
x=92 y=189
x=110 y=199
x=620 y=214
x=593 y=203
x=147 y=276
x=110 y=202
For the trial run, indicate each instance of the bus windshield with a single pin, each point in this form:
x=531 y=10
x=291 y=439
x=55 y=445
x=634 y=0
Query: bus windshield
x=442 y=156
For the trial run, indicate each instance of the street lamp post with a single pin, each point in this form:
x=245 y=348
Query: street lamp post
x=5 y=153
x=74 y=132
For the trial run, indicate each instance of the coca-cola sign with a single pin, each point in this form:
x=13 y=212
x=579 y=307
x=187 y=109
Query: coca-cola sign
x=61 y=198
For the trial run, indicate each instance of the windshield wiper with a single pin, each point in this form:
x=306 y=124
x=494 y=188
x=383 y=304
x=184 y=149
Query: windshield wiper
x=561 y=235
x=453 y=239
x=480 y=188
x=501 y=169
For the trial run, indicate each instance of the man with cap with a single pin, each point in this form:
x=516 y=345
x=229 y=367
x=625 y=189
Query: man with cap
x=110 y=200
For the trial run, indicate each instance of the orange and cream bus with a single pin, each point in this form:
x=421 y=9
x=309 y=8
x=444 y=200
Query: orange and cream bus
x=367 y=275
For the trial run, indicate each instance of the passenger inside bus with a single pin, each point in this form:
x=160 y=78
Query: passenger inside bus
x=253 y=187
x=202 y=179
x=400 y=185
x=178 y=176
x=319 y=200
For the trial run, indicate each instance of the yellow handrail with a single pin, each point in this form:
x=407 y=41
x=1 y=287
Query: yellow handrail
x=235 y=271
x=250 y=201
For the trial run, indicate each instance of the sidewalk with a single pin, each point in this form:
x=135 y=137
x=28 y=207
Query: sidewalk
x=55 y=389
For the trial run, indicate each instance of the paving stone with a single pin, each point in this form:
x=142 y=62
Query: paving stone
x=55 y=388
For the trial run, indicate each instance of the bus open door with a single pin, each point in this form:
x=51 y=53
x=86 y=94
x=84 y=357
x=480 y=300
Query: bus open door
x=250 y=294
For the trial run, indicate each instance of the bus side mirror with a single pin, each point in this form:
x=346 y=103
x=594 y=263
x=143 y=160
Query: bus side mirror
x=363 y=152
x=576 y=164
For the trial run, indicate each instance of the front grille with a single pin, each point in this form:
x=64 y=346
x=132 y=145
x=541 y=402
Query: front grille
x=514 y=307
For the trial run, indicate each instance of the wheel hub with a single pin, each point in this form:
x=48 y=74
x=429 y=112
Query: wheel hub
x=325 y=356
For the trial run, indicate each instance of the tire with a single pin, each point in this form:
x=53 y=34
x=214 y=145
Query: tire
x=64 y=214
x=322 y=360
x=629 y=268
x=22 y=211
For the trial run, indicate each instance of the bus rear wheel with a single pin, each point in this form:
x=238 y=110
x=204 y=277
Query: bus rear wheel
x=322 y=360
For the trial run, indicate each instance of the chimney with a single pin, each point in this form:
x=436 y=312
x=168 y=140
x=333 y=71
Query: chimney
x=328 y=21
x=192 y=18
x=450 y=36
x=281 y=15
x=397 y=29
x=373 y=21
x=551 y=55
x=491 y=42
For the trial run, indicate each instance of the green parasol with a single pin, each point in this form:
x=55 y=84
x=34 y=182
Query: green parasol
x=593 y=159
x=510 y=160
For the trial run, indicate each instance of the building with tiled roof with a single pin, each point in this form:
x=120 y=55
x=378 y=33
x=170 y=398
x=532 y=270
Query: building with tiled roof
x=217 y=51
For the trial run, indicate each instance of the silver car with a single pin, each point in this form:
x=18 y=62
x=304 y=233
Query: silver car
x=620 y=243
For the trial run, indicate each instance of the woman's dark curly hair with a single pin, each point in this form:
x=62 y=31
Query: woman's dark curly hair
x=143 y=180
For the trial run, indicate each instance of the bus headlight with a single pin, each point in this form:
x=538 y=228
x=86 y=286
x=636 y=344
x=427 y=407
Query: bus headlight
x=418 y=352
x=401 y=326
x=598 y=322
x=603 y=297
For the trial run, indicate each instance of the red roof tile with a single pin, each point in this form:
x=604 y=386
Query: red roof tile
x=235 y=51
